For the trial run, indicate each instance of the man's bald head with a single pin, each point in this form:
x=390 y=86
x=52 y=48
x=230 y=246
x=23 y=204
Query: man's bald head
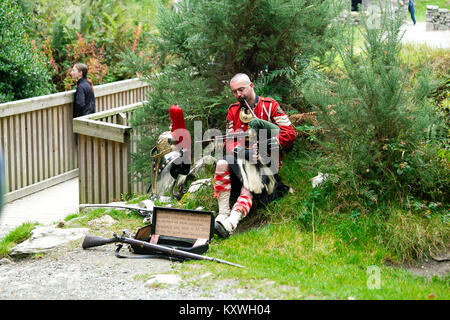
x=242 y=88
x=241 y=78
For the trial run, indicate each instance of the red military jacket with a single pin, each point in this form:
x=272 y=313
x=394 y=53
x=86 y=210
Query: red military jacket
x=267 y=109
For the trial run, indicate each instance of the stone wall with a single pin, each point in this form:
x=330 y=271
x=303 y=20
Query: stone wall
x=437 y=19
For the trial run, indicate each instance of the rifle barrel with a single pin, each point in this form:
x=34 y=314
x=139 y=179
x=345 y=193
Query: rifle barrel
x=93 y=241
x=173 y=251
x=227 y=262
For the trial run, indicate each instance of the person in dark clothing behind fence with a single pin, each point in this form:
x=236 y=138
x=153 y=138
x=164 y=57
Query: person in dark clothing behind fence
x=84 y=95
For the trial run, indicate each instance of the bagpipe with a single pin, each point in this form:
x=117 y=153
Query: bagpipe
x=255 y=158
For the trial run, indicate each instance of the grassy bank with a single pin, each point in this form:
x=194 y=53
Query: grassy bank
x=307 y=251
x=283 y=262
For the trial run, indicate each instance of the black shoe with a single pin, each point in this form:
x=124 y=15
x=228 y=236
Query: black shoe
x=220 y=230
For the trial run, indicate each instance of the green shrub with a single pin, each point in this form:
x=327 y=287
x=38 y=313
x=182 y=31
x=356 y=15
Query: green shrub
x=381 y=134
x=109 y=30
x=23 y=73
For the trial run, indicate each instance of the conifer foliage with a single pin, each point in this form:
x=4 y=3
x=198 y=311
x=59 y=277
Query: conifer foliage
x=376 y=121
x=202 y=44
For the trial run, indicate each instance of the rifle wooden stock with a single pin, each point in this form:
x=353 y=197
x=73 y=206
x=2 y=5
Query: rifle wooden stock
x=92 y=241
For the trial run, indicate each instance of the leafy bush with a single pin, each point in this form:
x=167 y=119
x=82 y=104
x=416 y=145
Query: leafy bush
x=23 y=73
x=100 y=34
x=91 y=55
x=376 y=142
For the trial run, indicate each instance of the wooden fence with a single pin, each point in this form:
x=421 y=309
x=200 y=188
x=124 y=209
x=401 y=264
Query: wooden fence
x=105 y=142
x=37 y=139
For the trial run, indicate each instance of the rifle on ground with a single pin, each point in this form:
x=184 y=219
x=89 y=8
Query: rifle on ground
x=93 y=241
x=147 y=213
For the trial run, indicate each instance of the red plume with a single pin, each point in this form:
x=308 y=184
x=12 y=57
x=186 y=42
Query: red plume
x=177 y=119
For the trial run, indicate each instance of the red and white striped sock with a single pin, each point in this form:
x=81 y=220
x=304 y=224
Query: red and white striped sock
x=222 y=191
x=222 y=182
x=243 y=203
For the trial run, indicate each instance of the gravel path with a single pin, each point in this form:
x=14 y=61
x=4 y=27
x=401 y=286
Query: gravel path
x=74 y=273
x=418 y=34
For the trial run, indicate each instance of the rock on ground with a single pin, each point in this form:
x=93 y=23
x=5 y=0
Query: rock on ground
x=47 y=238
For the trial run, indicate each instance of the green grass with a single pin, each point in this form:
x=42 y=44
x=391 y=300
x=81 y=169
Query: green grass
x=16 y=236
x=282 y=262
x=126 y=220
x=415 y=56
x=286 y=260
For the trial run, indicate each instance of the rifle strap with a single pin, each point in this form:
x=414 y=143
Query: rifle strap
x=146 y=256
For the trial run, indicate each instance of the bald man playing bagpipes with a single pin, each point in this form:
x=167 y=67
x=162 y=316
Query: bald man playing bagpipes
x=249 y=168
